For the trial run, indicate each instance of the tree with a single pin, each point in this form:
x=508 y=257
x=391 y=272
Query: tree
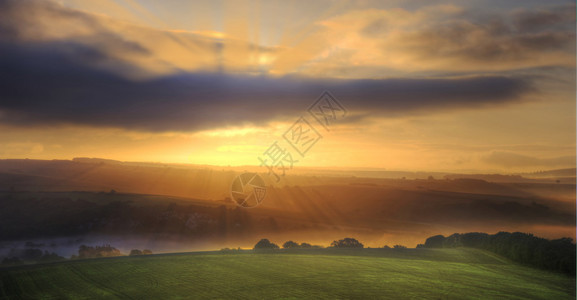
x=435 y=241
x=135 y=252
x=306 y=246
x=557 y=255
x=97 y=251
x=33 y=254
x=399 y=247
x=290 y=244
x=50 y=257
x=347 y=243
x=265 y=244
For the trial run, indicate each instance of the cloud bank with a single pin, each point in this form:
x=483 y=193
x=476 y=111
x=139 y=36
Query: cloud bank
x=54 y=84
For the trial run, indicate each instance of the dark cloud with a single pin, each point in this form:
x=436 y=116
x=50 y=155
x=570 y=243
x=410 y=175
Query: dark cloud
x=473 y=37
x=51 y=83
x=511 y=160
x=560 y=17
x=71 y=81
x=479 y=43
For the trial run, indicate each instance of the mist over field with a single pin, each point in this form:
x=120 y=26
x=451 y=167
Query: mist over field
x=178 y=208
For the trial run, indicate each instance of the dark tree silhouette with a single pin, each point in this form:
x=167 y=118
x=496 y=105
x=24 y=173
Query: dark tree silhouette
x=97 y=251
x=31 y=254
x=50 y=257
x=556 y=255
x=265 y=244
x=135 y=252
x=347 y=243
x=290 y=244
x=435 y=241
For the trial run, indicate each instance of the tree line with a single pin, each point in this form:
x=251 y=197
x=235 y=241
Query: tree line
x=105 y=251
x=35 y=255
x=343 y=243
x=554 y=255
x=31 y=255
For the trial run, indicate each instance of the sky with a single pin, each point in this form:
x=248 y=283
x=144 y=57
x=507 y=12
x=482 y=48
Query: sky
x=456 y=86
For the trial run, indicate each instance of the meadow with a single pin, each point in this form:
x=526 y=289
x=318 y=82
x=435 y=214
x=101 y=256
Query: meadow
x=459 y=273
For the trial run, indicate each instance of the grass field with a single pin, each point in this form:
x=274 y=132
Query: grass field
x=313 y=274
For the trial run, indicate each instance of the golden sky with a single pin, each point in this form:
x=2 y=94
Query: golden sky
x=463 y=86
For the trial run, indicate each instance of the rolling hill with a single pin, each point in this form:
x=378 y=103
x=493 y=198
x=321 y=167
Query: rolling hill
x=299 y=274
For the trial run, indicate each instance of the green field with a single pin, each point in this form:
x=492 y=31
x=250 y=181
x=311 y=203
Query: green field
x=313 y=274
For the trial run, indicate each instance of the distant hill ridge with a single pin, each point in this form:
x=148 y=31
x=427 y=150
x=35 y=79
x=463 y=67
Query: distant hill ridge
x=570 y=172
x=515 y=177
x=96 y=160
